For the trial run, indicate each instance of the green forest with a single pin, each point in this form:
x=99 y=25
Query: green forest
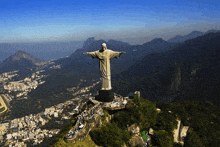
x=202 y=119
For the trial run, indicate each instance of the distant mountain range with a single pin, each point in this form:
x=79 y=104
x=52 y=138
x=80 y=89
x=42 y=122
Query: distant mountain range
x=76 y=60
x=191 y=35
x=55 y=50
x=44 y=50
x=190 y=71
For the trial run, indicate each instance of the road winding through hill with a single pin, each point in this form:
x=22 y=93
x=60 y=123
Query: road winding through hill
x=3 y=105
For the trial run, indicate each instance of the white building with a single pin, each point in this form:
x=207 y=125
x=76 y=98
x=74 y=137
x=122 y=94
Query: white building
x=125 y=102
x=56 y=114
x=9 y=136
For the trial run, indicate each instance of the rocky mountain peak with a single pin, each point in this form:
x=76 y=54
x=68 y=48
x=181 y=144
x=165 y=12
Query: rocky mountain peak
x=156 y=41
x=22 y=59
x=88 y=42
x=21 y=54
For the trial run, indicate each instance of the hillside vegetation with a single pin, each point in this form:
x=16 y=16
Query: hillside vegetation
x=202 y=119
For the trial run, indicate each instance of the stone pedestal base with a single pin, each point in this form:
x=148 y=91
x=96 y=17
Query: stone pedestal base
x=105 y=96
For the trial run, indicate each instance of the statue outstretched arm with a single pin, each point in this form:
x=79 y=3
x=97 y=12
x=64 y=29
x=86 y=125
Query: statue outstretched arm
x=116 y=54
x=92 y=54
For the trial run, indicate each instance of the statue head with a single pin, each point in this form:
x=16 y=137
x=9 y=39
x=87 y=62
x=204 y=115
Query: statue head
x=104 y=46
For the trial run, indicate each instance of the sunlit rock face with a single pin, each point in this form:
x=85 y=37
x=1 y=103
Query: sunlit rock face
x=88 y=42
x=136 y=141
x=176 y=83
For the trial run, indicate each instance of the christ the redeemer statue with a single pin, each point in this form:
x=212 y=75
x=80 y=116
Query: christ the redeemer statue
x=104 y=55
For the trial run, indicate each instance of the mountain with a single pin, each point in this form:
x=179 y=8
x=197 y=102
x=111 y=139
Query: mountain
x=191 y=35
x=21 y=61
x=43 y=50
x=88 y=42
x=190 y=71
x=212 y=31
x=157 y=45
x=19 y=55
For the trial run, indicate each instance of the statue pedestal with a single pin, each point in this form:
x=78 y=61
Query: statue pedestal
x=105 y=96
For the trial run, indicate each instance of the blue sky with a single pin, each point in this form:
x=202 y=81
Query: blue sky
x=47 y=20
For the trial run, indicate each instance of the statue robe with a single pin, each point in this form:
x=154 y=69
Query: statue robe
x=104 y=57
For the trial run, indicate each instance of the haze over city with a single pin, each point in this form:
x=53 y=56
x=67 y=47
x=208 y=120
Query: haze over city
x=43 y=21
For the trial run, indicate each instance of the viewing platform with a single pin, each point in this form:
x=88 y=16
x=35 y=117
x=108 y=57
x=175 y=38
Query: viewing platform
x=114 y=105
x=92 y=99
x=115 y=108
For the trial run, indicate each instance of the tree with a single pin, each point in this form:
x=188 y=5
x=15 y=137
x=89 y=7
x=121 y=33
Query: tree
x=122 y=118
x=163 y=139
x=166 y=121
x=148 y=114
x=192 y=139
x=110 y=135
